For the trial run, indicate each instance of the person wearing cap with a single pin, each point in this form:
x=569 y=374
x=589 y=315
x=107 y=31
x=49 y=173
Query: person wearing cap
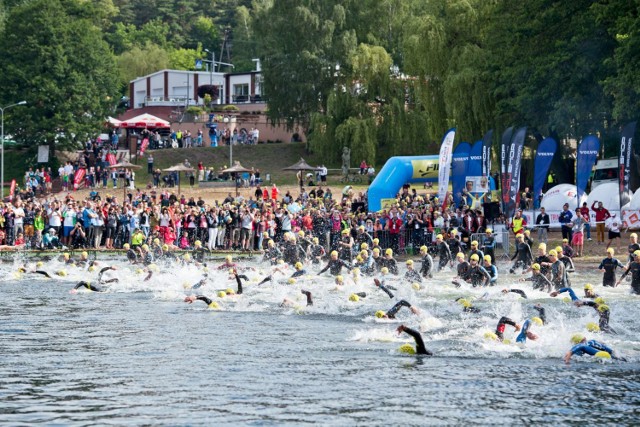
x=345 y=245
x=426 y=269
x=476 y=274
x=272 y=254
x=391 y=314
x=569 y=266
x=444 y=253
x=608 y=267
x=558 y=272
x=390 y=262
x=540 y=281
x=602 y=215
x=518 y=223
x=292 y=252
x=564 y=219
x=489 y=244
x=633 y=245
x=411 y=274
x=491 y=269
x=461 y=268
x=454 y=242
x=588 y=292
x=502 y=325
x=542 y=223
x=335 y=265
x=523 y=257
x=362 y=237
x=634 y=269
x=475 y=250
x=199 y=252
x=316 y=251
x=542 y=257
x=581 y=347
x=527 y=238
x=567 y=250
x=420 y=348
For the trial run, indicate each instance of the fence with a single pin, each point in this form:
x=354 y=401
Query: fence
x=502 y=247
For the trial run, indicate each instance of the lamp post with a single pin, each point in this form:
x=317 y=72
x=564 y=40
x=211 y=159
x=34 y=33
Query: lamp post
x=2 y=144
x=211 y=70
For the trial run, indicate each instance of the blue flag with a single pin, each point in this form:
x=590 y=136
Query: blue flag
x=475 y=160
x=544 y=156
x=459 y=164
x=585 y=159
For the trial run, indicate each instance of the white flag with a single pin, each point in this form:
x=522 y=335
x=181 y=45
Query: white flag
x=445 y=163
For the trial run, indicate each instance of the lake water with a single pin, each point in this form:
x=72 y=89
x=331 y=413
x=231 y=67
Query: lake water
x=139 y=355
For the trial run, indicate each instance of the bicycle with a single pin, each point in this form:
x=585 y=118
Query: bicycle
x=351 y=178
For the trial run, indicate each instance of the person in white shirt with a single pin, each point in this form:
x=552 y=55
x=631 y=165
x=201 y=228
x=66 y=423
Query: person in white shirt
x=613 y=224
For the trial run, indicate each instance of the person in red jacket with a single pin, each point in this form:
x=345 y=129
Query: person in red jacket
x=274 y=192
x=601 y=216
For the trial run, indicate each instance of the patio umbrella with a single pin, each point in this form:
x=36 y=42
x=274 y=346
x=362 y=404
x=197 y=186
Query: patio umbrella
x=145 y=121
x=300 y=166
x=179 y=168
x=124 y=165
x=236 y=168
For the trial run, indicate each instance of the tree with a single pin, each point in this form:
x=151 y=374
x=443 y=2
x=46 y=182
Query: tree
x=62 y=67
x=140 y=61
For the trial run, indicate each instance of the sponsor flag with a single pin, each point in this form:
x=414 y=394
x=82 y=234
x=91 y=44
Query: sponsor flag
x=12 y=189
x=624 y=166
x=585 y=159
x=513 y=170
x=78 y=177
x=505 y=145
x=475 y=159
x=445 y=163
x=541 y=164
x=486 y=153
x=459 y=165
x=111 y=158
x=144 y=145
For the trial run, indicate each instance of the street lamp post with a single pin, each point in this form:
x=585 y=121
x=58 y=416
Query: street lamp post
x=2 y=144
x=211 y=70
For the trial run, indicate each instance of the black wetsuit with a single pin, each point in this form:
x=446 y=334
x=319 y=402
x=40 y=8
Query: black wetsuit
x=427 y=266
x=102 y=271
x=131 y=255
x=543 y=268
x=632 y=248
x=391 y=314
x=462 y=268
x=634 y=269
x=523 y=255
x=477 y=252
x=335 y=267
x=489 y=247
x=316 y=252
x=559 y=275
x=378 y=262
x=501 y=326
x=603 y=320
x=519 y=292
x=444 y=254
x=386 y=290
x=239 y=279
x=540 y=282
x=542 y=314
x=391 y=264
x=477 y=276
x=569 y=266
x=454 y=245
x=44 y=273
x=308 y=295
x=344 y=252
x=420 y=348
x=413 y=276
x=609 y=266
x=88 y=286
x=198 y=254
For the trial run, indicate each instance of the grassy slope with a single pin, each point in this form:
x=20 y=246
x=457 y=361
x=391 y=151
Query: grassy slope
x=269 y=158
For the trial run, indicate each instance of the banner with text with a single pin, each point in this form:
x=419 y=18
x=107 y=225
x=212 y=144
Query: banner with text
x=585 y=159
x=459 y=165
x=624 y=167
x=541 y=164
x=445 y=163
x=505 y=145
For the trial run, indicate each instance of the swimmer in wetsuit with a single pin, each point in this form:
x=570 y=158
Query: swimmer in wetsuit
x=210 y=303
x=581 y=347
x=239 y=278
x=104 y=270
x=427 y=263
x=391 y=314
x=491 y=269
x=86 y=285
x=380 y=284
x=272 y=254
x=523 y=257
x=539 y=280
x=634 y=269
x=444 y=253
x=542 y=314
x=420 y=348
x=412 y=275
x=588 y=292
x=525 y=333
x=335 y=265
x=603 y=313
x=467 y=307
x=608 y=267
x=515 y=291
x=502 y=323
x=476 y=274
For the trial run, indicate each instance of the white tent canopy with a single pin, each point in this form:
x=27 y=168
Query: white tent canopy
x=557 y=196
x=608 y=194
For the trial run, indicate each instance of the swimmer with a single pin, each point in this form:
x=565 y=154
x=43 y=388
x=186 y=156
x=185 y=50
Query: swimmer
x=427 y=263
x=309 y=298
x=502 y=324
x=199 y=251
x=272 y=254
x=335 y=265
x=489 y=244
x=454 y=242
x=315 y=251
x=558 y=272
x=476 y=274
x=523 y=257
x=104 y=270
x=420 y=348
x=581 y=347
x=491 y=269
x=515 y=291
x=300 y=271
x=391 y=314
x=525 y=333
x=542 y=314
x=444 y=253
x=380 y=284
x=634 y=269
x=462 y=267
x=86 y=285
x=467 y=307
x=411 y=274
x=389 y=262
x=210 y=303
x=228 y=263
x=588 y=292
x=475 y=250
x=603 y=313
x=239 y=278
x=539 y=280
x=608 y=267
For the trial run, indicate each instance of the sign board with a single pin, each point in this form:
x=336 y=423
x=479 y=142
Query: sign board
x=43 y=154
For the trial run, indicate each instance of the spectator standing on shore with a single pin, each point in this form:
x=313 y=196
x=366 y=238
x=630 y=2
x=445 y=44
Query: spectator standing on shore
x=542 y=222
x=149 y=164
x=613 y=224
x=565 y=220
x=584 y=211
x=602 y=215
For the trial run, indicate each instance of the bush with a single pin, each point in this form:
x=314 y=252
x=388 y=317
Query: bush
x=194 y=111
x=230 y=108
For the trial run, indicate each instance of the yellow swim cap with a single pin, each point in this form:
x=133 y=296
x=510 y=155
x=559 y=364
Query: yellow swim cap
x=602 y=355
x=281 y=261
x=542 y=246
x=222 y=294
x=602 y=308
x=270 y=243
x=354 y=298
x=552 y=252
x=453 y=232
x=145 y=247
x=599 y=300
x=39 y=264
x=298 y=265
x=198 y=243
x=186 y=257
x=376 y=251
x=407 y=349
x=460 y=255
x=636 y=253
x=475 y=257
x=559 y=249
x=593 y=327
x=463 y=302
x=633 y=235
x=364 y=246
x=577 y=338
x=384 y=270
x=611 y=251
x=334 y=253
x=61 y=273
x=229 y=258
x=520 y=236
x=489 y=231
x=230 y=291
x=355 y=271
x=474 y=243
x=487 y=258
x=165 y=247
x=92 y=268
x=380 y=314
x=125 y=246
x=66 y=255
x=301 y=233
x=345 y=231
x=537 y=321
x=214 y=305
x=291 y=281
x=490 y=336
x=416 y=286
x=588 y=287
x=84 y=254
x=359 y=258
x=439 y=237
x=565 y=240
x=423 y=248
x=376 y=241
x=409 y=262
x=527 y=232
x=389 y=251
x=315 y=240
x=156 y=241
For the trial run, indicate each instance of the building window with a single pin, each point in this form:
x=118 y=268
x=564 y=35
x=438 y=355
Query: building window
x=241 y=93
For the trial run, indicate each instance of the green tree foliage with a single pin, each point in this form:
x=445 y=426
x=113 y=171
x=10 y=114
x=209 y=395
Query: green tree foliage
x=140 y=61
x=54 y=57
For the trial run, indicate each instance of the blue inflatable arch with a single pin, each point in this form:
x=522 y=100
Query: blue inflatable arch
x=397 y=172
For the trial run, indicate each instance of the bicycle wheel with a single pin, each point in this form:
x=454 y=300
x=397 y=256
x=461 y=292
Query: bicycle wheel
x=357 y=179
x=344 y=180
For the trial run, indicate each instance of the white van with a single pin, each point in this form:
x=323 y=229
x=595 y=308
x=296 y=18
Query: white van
x=605 y=170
